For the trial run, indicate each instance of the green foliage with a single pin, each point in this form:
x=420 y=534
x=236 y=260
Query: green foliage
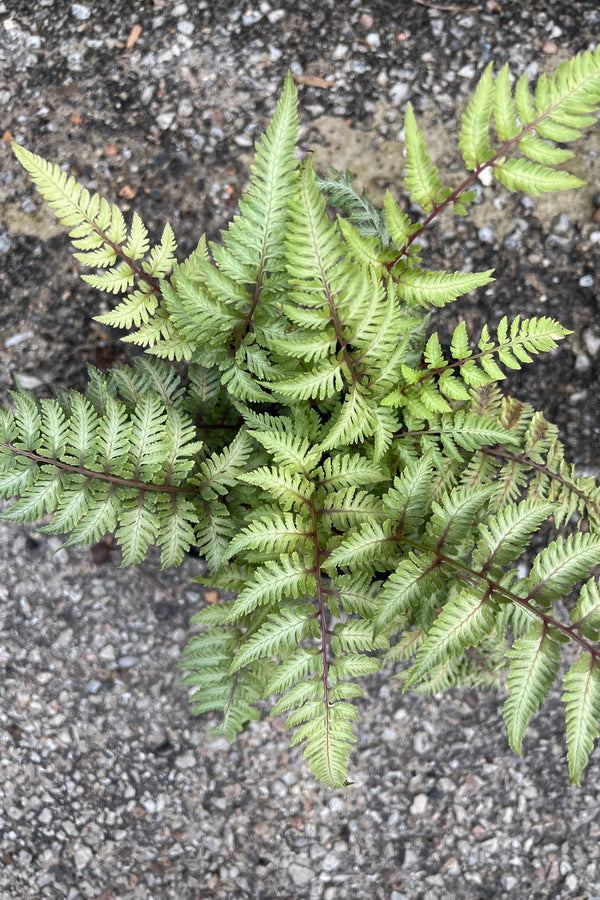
x=369 y=496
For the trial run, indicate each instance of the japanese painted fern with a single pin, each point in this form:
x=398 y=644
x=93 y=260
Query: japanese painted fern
x=367 y=495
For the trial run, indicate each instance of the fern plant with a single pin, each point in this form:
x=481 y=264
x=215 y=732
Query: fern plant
x=368 y=496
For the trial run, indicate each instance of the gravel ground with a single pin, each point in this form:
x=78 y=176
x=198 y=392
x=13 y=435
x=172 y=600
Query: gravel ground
x=109 y=789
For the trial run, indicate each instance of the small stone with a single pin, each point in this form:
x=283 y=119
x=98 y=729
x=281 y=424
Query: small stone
x=330 y=862
x=592 y=343
x=586 y=281
x=185 y=27
x=165 y=120
x=83 y=856
x=421 y=742
x=185 y=760
x=185 y=108
x=251 y=17
x=127 y=662
x=4 y=243
x=578 y=397
x=582 y=363
x=562 y=224
x=107 y=653
x=550 y=47
x=45 y=817
x=419 y=804
x=29 y=382
x=300 y=875
x=451 y=865
x=398 y=92
x=373 y=40
x=81 y=12
x=446 y=785
x=18 y=338
x=467 y=71
x=486 y=234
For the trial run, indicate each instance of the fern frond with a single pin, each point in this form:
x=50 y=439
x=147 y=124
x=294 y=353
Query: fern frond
x=220 y=471
x=412 y=579
x=302 y=696
x=357 y=592
x=328 y=737
x=74 y=206
x=282 y=631
x=371 y=546
x=214 y=530
x=582 y=699
x=474 y=136
x=235 y=696
x=463 y=622
x=507 y=533
x=353 y=665
x=452 y=518
x=399 y=225
x=102 y=240
x=303 y=662
x=422 y=177
x=320 y=383
x=357 y=207
x=272 y=582
x=353 y=421
x=366 y=251
x=196 y=314
x=409 y=500
x=418 y=286
x=254 y=240
x=349 y=507
x=504 y=110
x=355 y=635
x=535 y=179
x=586 y=614
x=534 y=664
x=124 y=471
x=561 y=565
x=277 y=534
x=348 y=470
x=291 y=490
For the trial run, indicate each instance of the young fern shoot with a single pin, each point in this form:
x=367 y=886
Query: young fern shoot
x=368 y=497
